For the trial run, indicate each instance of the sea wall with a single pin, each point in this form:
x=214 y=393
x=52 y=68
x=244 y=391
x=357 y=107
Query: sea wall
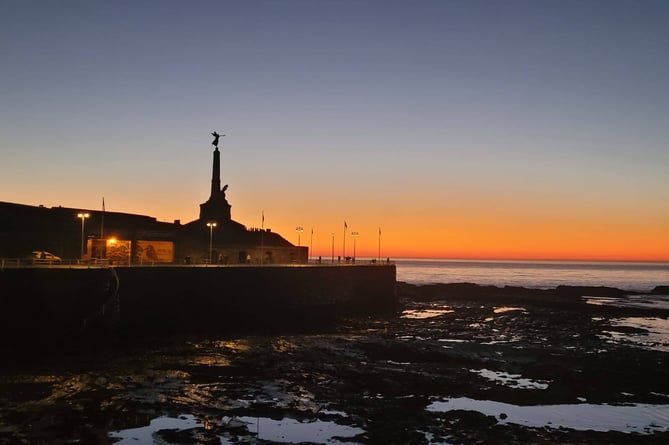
x=217 y=298
x=38 y=303
x=44 y=304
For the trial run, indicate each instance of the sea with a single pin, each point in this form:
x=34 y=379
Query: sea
x=629 y=276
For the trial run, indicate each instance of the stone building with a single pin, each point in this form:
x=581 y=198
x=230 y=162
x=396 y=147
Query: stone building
x=122 y=237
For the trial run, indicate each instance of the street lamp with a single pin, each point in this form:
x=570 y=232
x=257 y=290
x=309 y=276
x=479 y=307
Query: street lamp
x=299 y=230
x=354 y=235
x=211 y=226
x=83 y=217
x=311 y=244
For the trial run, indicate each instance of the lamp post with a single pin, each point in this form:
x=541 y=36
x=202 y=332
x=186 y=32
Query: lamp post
x=354 y=235
x=211 y=226
x=83 y=217
x=299 y=230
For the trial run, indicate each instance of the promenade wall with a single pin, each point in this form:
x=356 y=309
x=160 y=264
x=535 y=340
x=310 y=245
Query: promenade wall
x=62 y=302
x=47 y=304
x=217 y=298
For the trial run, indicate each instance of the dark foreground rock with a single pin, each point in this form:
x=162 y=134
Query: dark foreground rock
x=661 y=290
x=371 y=380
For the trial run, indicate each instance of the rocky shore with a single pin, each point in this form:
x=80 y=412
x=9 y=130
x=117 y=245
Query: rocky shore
x=404 y=377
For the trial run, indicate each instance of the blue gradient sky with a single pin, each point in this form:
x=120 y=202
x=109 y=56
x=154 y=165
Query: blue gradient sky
x=464 y=128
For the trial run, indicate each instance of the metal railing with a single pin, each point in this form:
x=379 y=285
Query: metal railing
x=17 y=263
x=14 y=263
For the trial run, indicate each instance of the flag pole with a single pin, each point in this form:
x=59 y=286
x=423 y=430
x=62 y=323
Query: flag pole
x=262 y=238
x=102 y=219
x=379 y=244
x=344 y=247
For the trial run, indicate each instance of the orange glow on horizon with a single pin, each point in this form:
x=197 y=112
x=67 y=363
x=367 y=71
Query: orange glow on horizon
x=499 y=239
x=467 y=232
x=580 y=245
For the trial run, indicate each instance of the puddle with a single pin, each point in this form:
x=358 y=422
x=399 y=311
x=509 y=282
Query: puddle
x=432 y=439
x=656 y=335
x=451 y=340
x=410 y=337
x=144 y=434
x=511 y=380
x=291 y=430
x=634 y=301
x=332 y=412
x=285 y=430
x=631 y=418
x=393 y=362
x=503 y=309
x=425 y=313
x=503 y=340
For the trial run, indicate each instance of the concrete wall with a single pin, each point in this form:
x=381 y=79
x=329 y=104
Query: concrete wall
x=215 y=298
x=42 y=305
x=50 y=303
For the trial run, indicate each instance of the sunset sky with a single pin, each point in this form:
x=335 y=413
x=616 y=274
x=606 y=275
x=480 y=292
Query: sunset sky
x=463 y=129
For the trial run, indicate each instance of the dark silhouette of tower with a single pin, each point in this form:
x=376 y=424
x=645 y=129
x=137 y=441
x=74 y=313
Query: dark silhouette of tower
x=217 y=207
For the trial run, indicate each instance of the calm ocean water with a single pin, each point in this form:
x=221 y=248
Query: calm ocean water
x=535 y=274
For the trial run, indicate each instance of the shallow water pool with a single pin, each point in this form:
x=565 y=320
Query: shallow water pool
x=637 y=418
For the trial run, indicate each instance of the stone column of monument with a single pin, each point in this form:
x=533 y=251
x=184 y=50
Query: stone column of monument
x=217 y=207
x=216 y=173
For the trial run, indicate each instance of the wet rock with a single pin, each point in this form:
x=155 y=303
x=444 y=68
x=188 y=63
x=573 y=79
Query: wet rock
x=661 y=290
x=377 y=374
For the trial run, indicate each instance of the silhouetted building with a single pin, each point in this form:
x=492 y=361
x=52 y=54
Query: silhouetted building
x=232 y=242
x=24 y=229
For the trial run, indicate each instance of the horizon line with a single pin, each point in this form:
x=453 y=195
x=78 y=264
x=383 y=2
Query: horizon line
x=502 y=259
